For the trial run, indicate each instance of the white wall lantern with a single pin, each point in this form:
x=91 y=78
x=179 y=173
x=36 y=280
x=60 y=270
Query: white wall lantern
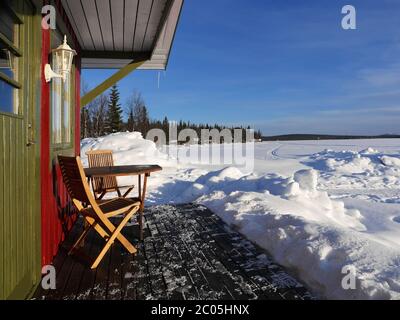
x=62 y=57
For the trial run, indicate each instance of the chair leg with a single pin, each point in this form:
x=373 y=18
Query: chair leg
x=101 y=255
x=98 y=228
x=80 y=239
x=116 y=234
x=128 y=246
x=120 y=236
x=127 y=192
x=102 y=195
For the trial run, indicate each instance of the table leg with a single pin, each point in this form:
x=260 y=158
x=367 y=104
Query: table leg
x=144 y=190
x=140 y=217
x=140 y=186
x=141 y=210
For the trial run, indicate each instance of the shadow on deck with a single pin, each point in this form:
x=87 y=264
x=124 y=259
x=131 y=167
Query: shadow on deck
x=188 y=253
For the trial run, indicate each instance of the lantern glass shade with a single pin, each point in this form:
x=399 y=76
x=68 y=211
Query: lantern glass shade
x=63 y=56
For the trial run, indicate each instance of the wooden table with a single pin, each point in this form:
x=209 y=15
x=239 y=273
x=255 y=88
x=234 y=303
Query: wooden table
x=131 y=170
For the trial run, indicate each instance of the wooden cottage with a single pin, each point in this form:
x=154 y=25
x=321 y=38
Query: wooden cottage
x=40 y=120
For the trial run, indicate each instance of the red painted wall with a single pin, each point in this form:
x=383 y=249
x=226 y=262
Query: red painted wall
x=56 y=211
x=78 y=106
x=45 y=149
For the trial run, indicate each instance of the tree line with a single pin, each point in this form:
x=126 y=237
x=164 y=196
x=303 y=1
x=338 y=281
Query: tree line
x=105 y=115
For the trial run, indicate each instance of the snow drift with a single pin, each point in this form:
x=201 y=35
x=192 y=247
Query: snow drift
x=129 y=147
x=314 y=233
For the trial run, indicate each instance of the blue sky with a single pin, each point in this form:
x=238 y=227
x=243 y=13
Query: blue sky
x=280 y=66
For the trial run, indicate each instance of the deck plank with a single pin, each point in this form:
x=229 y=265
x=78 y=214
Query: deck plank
x=188 y=253
x=179 y=283
x=220 y=277
x=63 y=265
x=88 y=275
x=82 y=261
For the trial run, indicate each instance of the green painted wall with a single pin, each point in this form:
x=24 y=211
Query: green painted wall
x=19 y=169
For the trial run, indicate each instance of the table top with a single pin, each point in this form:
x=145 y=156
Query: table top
x=121 y=170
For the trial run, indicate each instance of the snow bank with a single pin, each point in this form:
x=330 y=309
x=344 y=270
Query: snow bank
x=127 y=147
x=391 y=161
x=303 y=229
x=351 y=169
x=312 y=235
x=290 y=215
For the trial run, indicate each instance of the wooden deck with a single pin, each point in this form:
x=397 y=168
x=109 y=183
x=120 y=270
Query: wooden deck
x=188 y=253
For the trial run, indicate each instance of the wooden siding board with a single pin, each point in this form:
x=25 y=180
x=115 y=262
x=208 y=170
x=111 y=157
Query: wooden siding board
x=145 y=8
x=11 y=209
x=12 y=214
x=78 y=106
x=165 y=41
x=144 y=26
x=7 y=222
x=89 y=6
x=26 y=228
x=55 y=222
x=55 y=213
x=117 y=20
x=130 y=23
x=104 y=14
x=45 y=154
x=23 y=224
x=77 y=13
x=73 y=22
x=22 y=227
x=153 y=25
x=32 y=217
x=15 y=216
x=15 y=226
x=2 y=209
x=25 y=208
x=19 y=200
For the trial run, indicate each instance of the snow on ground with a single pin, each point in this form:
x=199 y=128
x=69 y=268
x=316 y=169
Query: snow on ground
x=315 y=206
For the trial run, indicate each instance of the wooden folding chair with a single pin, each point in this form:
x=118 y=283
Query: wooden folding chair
x=96 y=215
x=102 y=185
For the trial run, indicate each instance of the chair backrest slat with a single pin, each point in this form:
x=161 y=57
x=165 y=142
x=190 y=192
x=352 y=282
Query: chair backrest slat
x=72 y=178
x=78 y=188
x=102 y=158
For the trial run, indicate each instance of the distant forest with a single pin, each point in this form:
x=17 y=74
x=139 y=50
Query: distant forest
x=106 y=115
x=292 y=137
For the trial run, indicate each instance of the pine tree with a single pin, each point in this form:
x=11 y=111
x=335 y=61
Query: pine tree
x=114 y=119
